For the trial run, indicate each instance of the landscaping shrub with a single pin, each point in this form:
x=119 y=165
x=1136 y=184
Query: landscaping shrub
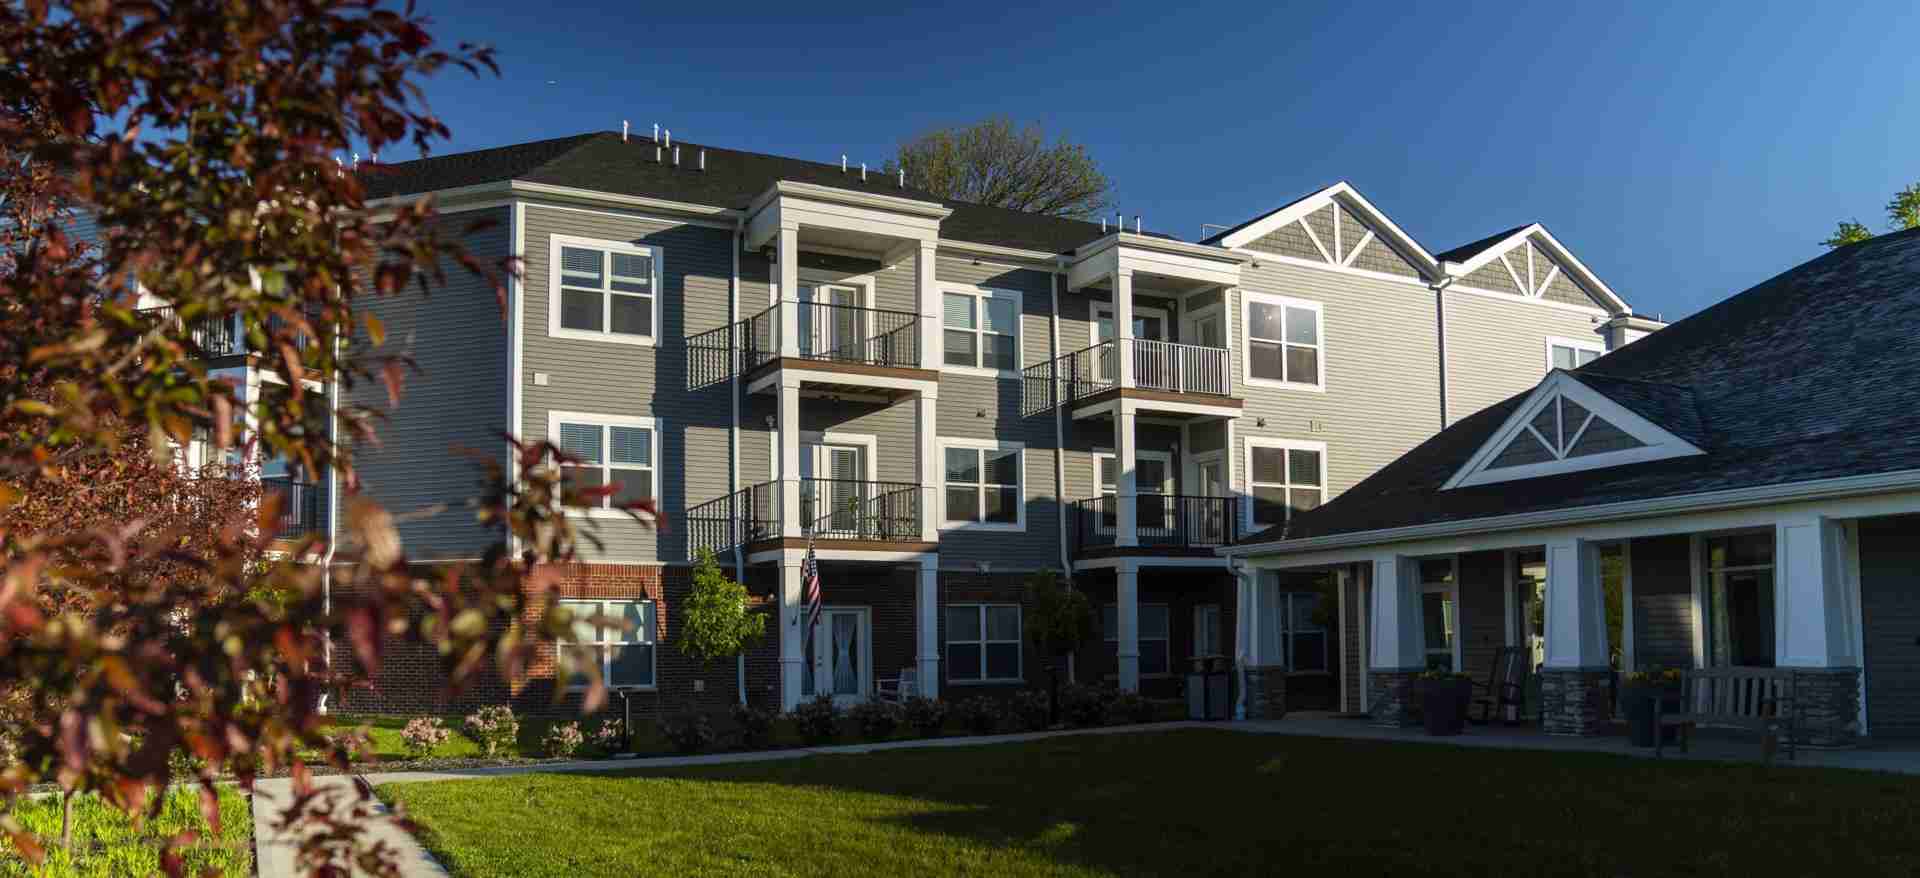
x=611 y=737
x=562 y=739
x=979 y=715
x=422 y=734
x=689 y=733
x=495 y=728
x=925 y=715
x=1029 y=708
x=877 y=719
x=818 y=720
x=1084 y=706
x=1132 y=707
x=754 y=725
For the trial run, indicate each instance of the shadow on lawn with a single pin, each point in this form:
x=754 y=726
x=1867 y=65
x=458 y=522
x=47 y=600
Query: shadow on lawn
x=1190 y=801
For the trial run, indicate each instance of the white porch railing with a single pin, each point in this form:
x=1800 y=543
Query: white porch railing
x=1179 y=368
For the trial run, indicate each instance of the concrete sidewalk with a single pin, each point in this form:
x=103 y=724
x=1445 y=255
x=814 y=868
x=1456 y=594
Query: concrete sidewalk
x=274 y=854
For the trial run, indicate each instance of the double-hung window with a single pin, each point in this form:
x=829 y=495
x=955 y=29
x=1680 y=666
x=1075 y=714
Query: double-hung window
x=607 y=450
x=1284 y=478
x=1155 y=657
x=983 y=642
x=1284 y=343
x=623 y=646
x=1566 y=353
x=604 y=290
x=981 y=330
x=983 y=485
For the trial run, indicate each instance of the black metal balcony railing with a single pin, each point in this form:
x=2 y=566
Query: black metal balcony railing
x=217 y=337
x=832 y=509
x=300 y=505
x=1160 y=521
x=825 y=331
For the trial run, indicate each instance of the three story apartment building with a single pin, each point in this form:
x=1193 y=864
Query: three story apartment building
x=941 y=398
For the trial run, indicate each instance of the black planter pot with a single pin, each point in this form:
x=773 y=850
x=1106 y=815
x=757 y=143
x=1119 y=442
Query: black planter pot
x=1444 y=703
x=1644 y=705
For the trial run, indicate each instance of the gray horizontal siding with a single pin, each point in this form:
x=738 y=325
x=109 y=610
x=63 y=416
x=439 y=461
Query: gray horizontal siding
x=457 y=401
x=1662 y=603
x=1497 y=348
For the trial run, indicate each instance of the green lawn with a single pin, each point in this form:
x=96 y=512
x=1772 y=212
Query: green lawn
x=105 y=842
x=1180 y=802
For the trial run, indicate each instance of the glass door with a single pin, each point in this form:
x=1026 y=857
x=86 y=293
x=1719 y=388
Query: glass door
x=830 y=322
x=1148 y=323
x=840 y=667
x=832 y=487
x=1440 y=613
x=1210 y=518
x=1152 y=478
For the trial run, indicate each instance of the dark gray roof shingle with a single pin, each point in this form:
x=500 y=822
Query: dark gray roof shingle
x=1471 y=249
x=1813 y=374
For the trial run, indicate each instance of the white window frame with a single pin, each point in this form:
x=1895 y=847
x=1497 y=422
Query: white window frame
x=980 y=608
x=1247 y=301
x=1020 y=514
x=1166 y=643
x=1593 y=347
x=555 y=418
x=1283 y=601
x=1451 y=591
x=1202 y=631
x=606 y=334
x=1190 y=324
x=1255 y=442
x=652 y=639
x=981 y=295
x=1105 y=309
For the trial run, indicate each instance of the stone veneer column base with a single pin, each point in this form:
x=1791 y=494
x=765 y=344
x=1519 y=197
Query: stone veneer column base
x=1390 y=696
x=1266 y=692
x=1829 y=706
x=1573 y=701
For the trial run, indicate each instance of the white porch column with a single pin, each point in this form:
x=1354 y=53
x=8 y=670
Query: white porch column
x=1576 y=611
x=1127 y=597
x=1244 y=632
x=928 y=306
x=1813 y=604
x=1398 y=651
x=792 y=631
x=1123 y=329
x=927 y=632
x=789 y=256
x=1126 y=531
x=789 y=439
x=926 y=415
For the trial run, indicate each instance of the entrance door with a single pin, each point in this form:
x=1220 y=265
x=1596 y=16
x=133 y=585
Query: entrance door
x=841 y=665
x=830 y=322
x=832 y=483
x=1440 y=613
x=1148 y=323
x=1152 y=478
x=1209 y=519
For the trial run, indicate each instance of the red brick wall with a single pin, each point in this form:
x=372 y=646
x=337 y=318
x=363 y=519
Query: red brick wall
x=1181 y=589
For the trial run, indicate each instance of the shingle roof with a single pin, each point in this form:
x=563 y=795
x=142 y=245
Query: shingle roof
x=1215 y=238
x=1471 y=249
x=1812 y=374
x=603 y=162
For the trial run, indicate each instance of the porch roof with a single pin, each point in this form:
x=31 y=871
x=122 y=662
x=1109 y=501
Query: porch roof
x=1809 y=376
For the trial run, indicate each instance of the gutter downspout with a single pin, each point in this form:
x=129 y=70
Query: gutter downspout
x=1243 y=625
x=1440 y=311
x=333 y=524
x=1059 y=427
x=733 y=438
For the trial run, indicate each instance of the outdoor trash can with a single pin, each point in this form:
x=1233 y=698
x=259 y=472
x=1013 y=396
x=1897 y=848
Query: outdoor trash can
x=1207 y=696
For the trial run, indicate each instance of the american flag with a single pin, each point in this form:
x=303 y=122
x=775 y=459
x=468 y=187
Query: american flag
x=810 y=585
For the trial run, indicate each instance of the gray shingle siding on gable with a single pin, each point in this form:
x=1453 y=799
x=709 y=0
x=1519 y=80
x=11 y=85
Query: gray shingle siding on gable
x=457 y=401
x=1288 y=240
x=1492 y=276
x=1380 y=256
x=1321 y=221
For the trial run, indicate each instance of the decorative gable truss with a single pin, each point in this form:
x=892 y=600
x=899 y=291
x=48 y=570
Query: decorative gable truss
x=1531 y=263
x=1565 y=426
x=1335 y=226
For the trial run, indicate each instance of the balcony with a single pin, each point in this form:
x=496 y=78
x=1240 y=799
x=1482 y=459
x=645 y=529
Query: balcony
x=852 y=514
x=829 y=340
x=217 y=338
x=1166 y=525
x=300 y=505
x=1163 y=371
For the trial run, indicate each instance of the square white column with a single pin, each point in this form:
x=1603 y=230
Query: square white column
x=1125 y=454
x=1123 y=330
x=1399 y=638
x=927 y=630
x=928 y=306
x=792 y=629
x=1127 y=597
x=789 y=442
x=1576 y=610
x=1245 y=632
x=1813 y=604
x=789 y=256
x=926 y=416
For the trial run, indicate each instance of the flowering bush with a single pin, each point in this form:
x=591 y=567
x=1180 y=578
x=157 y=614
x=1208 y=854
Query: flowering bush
x=1440 y=674
x=979 y=715
x=818 y=720
x=1656 y=677
x=877 y=719
x=926 y=715
x=754 y=725
x=562 y=739
x=690 y=733
x=422 y=734
x=495 y=728
x=1131 y=707
x=611 y=737
x=352 y=744
x=1029 y=707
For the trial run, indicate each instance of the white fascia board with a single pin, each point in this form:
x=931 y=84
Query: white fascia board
x=1053 y=261
x=833 y=195
x=1554 y=248
x=1658 y=443
x=1344 y=193
x=1087 y=271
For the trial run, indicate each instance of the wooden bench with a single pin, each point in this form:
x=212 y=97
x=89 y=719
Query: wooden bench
x=1755 y=699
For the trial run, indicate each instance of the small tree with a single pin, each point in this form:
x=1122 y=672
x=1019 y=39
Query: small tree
x=992 y=162
x=1061 y=620
x=716 y=622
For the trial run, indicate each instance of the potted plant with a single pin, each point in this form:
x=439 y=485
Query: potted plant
x=1648 y=694
x=1444 y=696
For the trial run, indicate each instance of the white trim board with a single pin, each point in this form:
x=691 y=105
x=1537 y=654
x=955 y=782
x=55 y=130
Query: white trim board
x=1659 y=443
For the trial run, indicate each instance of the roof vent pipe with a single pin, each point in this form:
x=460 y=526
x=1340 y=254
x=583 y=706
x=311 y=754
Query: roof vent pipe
x=676 y=156
x=623 y=131
x=1103 y=225
x=656 y=153
x=669 y=136
x=656 y=132
x=903 y=178
x=703 y=160
x=843 y=163
x=1136 y=224
x=863 y=172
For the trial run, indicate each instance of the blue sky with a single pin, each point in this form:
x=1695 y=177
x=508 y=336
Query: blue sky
x=1684 y=150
